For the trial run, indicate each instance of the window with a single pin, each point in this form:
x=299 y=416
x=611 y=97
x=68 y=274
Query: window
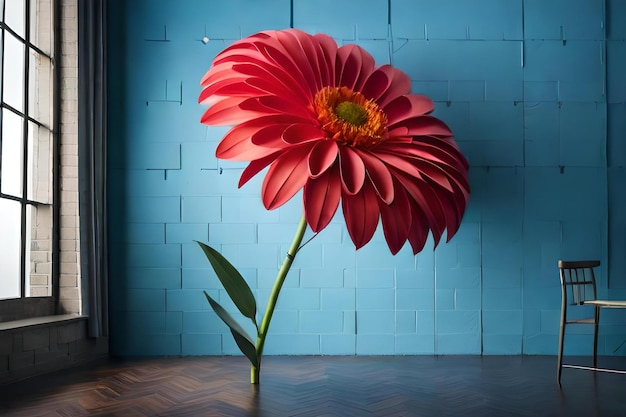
x=27 y=147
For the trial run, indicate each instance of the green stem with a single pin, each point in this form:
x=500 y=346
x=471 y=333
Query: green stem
x=271 y=303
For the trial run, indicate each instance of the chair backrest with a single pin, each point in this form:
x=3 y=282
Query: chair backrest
x=578 y=281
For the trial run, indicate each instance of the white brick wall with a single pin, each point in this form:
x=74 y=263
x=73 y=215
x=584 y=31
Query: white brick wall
x=69 y=258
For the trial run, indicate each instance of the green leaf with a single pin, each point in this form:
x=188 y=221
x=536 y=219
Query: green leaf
x=234 y=284
x=243 y=340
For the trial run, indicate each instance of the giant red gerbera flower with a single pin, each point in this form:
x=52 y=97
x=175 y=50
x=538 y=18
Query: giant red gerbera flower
x=326 y=119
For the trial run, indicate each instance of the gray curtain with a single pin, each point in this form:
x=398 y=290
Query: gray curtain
x=92 y=163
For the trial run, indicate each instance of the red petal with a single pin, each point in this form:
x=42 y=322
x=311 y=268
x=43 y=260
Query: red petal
x=451 y=213
x=348 y=65
x=323 y=155
x=441 y=153
x=434 y=173
x=399 y=162
x=376 y=85
x=354 y=65
x=420 y=126
x=352 y=170
x=273 y=80
x=309 y=50
x=379 y=174
x=386 y=83
x=270 y=136
x=253 y=64
x=280 y=62
x=217 y=72
x=396 y=220
x=246 y=46
x=235 y=53
x=441 y=191
x=361 y=214
x=399 y=85
x=292 y=42
x=327 y=55
x=406 y=107
x=286 y=177
x=303 y=132
x=427 y=158
x=321 y=199
x=427 y=201
x=275 y=105
x=229 y=112
x=445 y=146
x=237 y=144
x=460 y=200
x=418 y=233
x=368 y=64
x=235 y=89
x=302 y=57
x=207 y=93
x=255 y=167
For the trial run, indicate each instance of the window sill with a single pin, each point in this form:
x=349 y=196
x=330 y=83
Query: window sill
x=40 y=321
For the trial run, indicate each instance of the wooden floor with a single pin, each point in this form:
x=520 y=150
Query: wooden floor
x=322 y=386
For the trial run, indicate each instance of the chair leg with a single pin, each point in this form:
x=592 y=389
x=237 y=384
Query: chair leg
x=560 y=355
x=595 y=336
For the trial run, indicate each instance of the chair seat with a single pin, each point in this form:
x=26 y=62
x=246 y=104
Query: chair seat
x=581 y=321
x=607 y=303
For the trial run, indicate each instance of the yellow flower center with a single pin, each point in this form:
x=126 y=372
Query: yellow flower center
x=351 y=113
x=349 y=117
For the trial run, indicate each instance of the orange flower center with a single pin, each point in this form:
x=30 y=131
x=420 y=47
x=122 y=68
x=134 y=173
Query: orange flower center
x=349 y=117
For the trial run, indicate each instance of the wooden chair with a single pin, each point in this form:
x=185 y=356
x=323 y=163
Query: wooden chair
x=578 y=288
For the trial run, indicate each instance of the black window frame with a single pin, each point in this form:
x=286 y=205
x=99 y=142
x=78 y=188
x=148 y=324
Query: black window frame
x=33 y=305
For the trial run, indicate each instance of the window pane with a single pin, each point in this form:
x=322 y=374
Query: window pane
x=13 y=82
x=14 y=16
x=41 y=24
x=39 y=251
x=40 y=88
x=39 y=175
x=10 y=230
x=12 y=153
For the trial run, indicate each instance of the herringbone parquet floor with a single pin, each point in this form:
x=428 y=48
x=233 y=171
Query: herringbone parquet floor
x=322 y=386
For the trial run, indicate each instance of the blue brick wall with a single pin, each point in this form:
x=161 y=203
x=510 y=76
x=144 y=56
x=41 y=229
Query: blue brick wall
x=535 y=93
